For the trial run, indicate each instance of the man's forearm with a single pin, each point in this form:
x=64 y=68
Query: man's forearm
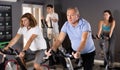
x=56 y=45
x=81 y=47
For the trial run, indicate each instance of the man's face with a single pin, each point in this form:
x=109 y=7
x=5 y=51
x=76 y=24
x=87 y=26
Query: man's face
x=72 y=17
x=49 y=9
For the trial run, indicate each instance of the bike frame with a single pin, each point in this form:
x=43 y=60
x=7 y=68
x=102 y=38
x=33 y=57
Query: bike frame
x=17 y=58
x=107 y=54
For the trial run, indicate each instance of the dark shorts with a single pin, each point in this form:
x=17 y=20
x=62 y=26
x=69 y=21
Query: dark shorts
x=37 y=55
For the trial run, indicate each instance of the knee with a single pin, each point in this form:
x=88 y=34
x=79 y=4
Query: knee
x=36 y=66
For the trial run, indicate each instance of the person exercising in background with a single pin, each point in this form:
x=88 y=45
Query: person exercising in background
x=106 y=28
x=52 y=22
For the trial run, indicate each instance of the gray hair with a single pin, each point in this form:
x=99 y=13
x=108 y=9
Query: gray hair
x=75 y=9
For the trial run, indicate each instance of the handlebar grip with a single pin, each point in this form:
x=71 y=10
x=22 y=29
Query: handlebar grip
x=4 y=51
x=16 y=51
x=53 y=52
x=11 y=49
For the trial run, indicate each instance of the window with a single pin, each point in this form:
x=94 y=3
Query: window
x=36 y=10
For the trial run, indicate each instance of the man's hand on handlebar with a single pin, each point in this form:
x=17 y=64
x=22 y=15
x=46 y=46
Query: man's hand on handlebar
x=76 y=55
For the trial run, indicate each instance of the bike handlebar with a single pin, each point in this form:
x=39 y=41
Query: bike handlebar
x=10 y=51
x=101 y=37
x=60 y=53
x=57 y=53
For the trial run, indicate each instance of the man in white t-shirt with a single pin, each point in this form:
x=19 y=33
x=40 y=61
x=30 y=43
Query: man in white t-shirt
x=52 y=22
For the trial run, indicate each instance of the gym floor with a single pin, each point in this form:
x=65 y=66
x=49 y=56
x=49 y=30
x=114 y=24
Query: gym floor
x=96 y=66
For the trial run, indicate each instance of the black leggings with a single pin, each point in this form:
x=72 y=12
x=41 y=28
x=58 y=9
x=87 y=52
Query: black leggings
x=88 y=60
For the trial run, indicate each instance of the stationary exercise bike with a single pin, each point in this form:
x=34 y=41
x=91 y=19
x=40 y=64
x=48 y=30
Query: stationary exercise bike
x=104 y=45
x=11 y=64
